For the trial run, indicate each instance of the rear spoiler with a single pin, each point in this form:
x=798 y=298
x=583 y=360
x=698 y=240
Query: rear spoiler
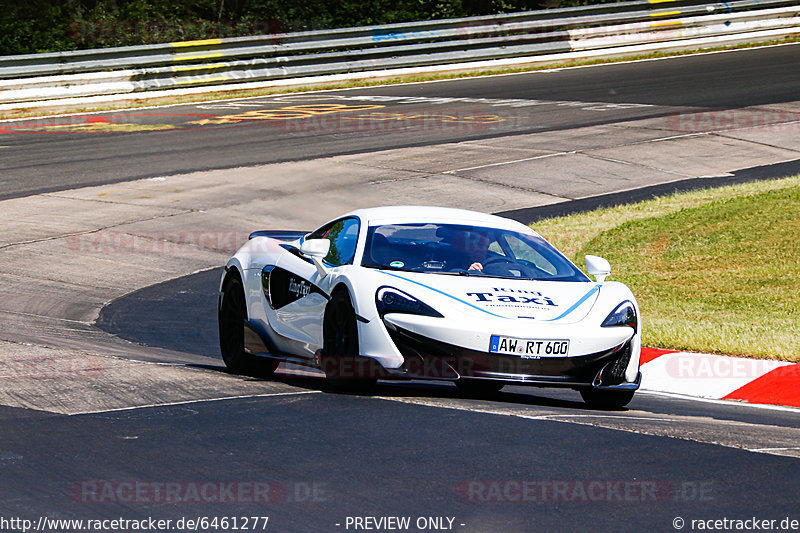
x=279 y=234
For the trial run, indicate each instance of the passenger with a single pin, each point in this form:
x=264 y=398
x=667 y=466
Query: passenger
x=382 y=252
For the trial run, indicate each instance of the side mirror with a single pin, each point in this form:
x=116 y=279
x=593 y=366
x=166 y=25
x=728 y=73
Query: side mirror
x=318 y=248
x=598 y=267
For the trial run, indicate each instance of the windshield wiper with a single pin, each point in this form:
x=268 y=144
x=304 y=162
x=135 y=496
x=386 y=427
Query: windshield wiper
x=480 y=274
x=413 y=270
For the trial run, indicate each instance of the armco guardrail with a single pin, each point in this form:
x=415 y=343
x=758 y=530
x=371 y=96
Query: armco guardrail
x=419 y=44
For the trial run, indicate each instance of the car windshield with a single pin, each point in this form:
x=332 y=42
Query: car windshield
x=466 y=250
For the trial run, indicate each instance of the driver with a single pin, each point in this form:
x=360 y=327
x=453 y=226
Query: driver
x=478 y=249
x=469 y=249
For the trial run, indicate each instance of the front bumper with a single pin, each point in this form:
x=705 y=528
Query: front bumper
x=432 y=359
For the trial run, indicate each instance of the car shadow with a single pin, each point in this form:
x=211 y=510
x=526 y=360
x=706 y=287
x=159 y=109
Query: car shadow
x=435 y=390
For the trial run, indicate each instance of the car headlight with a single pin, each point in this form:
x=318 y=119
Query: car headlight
x=623 y=315
x=390 y=300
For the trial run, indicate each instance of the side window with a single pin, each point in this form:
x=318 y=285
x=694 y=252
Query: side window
x=525 y=252
x=496 y=248
x=343 y=235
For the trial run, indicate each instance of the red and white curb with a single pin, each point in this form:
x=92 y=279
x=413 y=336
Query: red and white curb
x=721 y=377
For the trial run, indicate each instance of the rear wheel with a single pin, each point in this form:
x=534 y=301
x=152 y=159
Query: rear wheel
x=344 y=367
x=479 y=387
x=607 y=399
x=232 y=317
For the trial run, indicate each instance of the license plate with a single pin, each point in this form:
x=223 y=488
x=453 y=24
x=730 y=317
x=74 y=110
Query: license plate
x=528 y=348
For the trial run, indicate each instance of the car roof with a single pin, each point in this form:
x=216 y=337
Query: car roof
x=406 y=214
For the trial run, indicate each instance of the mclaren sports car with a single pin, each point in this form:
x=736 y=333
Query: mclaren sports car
x=430 y=293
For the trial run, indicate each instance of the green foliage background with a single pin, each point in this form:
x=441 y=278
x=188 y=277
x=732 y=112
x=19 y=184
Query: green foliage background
x=32 y=26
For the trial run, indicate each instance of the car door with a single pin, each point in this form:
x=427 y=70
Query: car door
x=298 y=294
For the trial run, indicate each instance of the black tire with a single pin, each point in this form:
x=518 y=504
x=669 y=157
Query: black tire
x=343 y=366
x=607 y=399
x=231 y=318
x=475 y=387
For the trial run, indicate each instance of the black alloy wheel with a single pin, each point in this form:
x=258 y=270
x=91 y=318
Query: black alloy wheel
x=344 y=367
x=231 y=318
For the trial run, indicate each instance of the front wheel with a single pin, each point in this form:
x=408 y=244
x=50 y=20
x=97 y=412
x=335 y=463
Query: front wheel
x=231 y=319
x=344 y=367
x=607 y=399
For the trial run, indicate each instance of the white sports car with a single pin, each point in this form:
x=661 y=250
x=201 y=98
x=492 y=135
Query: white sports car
x=430 y=293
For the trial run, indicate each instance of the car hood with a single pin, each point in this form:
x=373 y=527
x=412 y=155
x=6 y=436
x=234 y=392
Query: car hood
x=550 y=301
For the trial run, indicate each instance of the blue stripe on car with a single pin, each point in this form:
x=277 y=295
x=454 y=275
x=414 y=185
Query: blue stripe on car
x=576 y=304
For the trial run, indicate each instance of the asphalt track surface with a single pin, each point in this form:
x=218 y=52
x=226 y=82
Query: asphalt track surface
x=414 y=450
x=67 y=152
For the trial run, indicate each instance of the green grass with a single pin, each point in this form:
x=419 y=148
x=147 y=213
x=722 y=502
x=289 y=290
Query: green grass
x=716 y=270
